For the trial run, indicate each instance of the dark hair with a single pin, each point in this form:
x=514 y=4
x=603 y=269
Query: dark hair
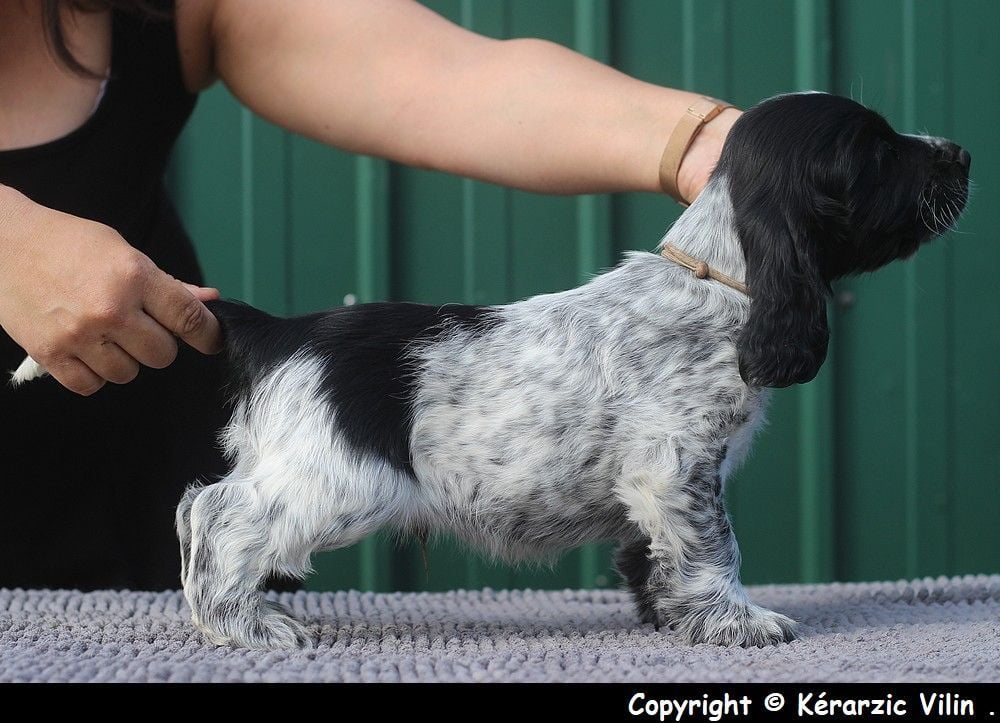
x=823 y=187
x=54 y=30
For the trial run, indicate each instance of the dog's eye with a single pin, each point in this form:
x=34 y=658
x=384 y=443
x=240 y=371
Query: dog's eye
x=886 y=156
x=887 y=150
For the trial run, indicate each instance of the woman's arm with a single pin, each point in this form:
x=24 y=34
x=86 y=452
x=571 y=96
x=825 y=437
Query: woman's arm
x=391 y=78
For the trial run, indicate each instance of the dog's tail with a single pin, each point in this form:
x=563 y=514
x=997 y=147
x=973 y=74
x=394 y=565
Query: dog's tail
x=26 y=371
x=254 y=342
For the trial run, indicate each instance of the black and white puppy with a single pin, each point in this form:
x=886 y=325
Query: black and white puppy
x=614 y=411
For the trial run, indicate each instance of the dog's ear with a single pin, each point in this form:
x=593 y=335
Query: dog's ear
x=785 y=339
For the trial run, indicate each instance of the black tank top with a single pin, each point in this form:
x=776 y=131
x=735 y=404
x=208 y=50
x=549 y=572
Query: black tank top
x=88 y=486
x=111 y=168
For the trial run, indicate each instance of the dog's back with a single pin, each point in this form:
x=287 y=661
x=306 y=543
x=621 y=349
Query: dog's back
x=361 y=356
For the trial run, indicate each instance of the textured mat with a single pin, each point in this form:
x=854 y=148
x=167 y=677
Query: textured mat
x=928 y=630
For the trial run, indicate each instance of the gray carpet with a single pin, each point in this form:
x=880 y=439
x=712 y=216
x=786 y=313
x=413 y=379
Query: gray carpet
x=927 y=630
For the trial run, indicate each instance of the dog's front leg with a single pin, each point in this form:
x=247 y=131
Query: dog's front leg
x=685 y=574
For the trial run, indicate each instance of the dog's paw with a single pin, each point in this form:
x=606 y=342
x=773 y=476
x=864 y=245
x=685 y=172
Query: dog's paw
x=743 y=624
x=283 y=630
x=272 y=629
x=278 y=631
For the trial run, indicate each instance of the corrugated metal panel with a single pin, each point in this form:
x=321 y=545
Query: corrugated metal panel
x=886 y=466
x=920 y=402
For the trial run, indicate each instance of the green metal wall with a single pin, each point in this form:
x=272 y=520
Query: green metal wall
x=886 y=466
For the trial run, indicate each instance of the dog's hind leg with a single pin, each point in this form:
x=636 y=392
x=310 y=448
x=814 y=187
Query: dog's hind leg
x=244 y=530
x=690 y=577
x=298 y=485
x=227 y=566
x=183 y=524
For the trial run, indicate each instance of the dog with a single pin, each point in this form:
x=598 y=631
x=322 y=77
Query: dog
x=613 y=411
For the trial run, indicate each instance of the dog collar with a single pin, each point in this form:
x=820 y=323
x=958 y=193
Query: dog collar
x=701 y=269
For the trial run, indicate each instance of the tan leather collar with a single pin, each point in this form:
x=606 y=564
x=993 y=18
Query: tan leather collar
x=700 y=268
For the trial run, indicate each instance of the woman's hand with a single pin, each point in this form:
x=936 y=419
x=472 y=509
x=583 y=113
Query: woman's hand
x=86 y=305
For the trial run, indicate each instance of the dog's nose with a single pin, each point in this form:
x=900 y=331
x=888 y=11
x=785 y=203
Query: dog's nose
x=953 y=153
x=964 y=159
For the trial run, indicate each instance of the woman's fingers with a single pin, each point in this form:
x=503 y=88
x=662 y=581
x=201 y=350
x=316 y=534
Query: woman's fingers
x=179 y=311
x=202 y=293
x=75 y=376
x=110 y=362
x=148 y=342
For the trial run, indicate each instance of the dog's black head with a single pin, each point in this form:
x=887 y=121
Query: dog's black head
x=823 y=187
